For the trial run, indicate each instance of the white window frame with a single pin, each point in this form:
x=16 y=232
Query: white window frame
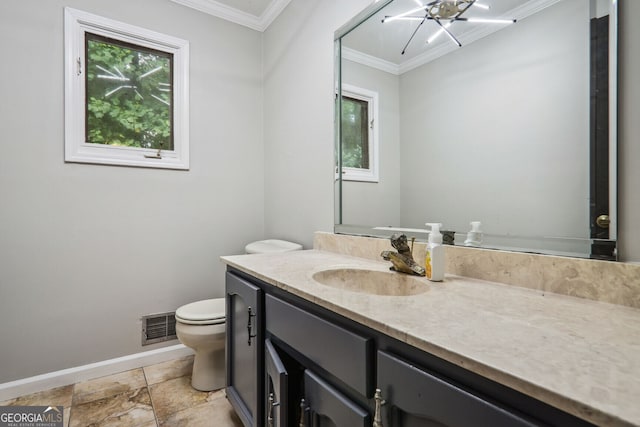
x=371 y=97
x=76 y=24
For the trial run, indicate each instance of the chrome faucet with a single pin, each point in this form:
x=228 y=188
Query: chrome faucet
x=402 y=260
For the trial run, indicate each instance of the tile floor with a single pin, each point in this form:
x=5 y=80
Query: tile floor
x=154 y=396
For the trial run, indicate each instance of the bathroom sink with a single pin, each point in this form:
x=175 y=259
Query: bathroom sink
x=373 y=282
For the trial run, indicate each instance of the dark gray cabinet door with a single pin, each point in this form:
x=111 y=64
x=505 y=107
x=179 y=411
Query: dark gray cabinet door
x=276 y=387
x=415 y=398
x=350 y=357
x=327 y=407
x=244 y=349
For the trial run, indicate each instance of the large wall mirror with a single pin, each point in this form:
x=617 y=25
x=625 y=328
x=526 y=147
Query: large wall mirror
x=498 y=111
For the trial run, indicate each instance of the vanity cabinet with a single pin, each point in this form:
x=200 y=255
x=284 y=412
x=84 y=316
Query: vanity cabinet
x=244 y=348
x=277 y=388
x=325 y=406
x=343 y=354
x=414 y=397
x=321 y=369
x=315 y=344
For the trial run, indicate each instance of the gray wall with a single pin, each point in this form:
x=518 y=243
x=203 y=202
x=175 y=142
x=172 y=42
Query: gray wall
x=298 y=117
x=376 y=203
x=86 y=250
x=492 y=132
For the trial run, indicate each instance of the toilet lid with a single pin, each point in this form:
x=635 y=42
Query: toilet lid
x=205 y=310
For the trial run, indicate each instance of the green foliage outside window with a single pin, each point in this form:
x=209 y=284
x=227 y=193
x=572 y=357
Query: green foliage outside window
x=355 y=135
x=128 y=94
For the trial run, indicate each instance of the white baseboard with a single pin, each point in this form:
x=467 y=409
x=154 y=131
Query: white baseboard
x=17 y=388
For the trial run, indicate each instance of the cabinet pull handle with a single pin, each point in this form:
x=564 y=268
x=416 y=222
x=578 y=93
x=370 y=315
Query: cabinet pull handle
x=251 y=315
x=272 y=405
x=303 y=413
x=377 y=416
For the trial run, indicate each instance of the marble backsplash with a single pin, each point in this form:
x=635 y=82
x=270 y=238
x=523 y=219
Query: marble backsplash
x=606 y=281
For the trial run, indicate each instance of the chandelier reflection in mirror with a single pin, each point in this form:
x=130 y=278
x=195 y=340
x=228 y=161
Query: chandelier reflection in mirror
x=444 y=13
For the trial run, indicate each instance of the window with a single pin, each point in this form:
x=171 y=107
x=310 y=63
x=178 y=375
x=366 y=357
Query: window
x=126 y=94
x=359 y=134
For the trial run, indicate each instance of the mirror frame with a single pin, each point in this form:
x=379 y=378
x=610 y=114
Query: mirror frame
x=541 y=245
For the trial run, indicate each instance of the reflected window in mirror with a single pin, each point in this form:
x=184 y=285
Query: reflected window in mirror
x=359 y=134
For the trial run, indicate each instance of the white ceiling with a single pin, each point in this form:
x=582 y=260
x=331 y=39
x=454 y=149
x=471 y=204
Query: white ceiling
x=380 y=45
x=255 y=14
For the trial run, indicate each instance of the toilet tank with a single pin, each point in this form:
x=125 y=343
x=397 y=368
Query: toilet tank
x=271 y=245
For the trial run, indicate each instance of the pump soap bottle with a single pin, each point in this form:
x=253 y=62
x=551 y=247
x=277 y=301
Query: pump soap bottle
x=474 y=236
x=434 y=261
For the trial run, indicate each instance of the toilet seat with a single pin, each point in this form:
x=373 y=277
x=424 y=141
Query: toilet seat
x=205 y=312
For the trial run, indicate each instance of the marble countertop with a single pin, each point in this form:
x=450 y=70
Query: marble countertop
x=578 y=355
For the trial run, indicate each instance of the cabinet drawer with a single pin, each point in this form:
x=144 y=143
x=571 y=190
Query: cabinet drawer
x=340 y=352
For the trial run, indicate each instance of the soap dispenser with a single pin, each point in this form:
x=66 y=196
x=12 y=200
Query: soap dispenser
x=434 y=260
x=474 y=236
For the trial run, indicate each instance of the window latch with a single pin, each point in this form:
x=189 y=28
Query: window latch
x=79 y=62
x=154 y=156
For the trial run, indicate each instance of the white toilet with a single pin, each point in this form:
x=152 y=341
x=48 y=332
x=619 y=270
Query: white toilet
x=200 y=325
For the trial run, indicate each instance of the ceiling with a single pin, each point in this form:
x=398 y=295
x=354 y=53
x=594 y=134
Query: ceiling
x=255 y=14
x=380 y=45
x=253 y=7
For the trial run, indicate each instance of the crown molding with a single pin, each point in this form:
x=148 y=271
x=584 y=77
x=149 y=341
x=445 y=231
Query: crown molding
x=370 y=61
x=272 y=11
x=237 y=16
x=531 y=7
